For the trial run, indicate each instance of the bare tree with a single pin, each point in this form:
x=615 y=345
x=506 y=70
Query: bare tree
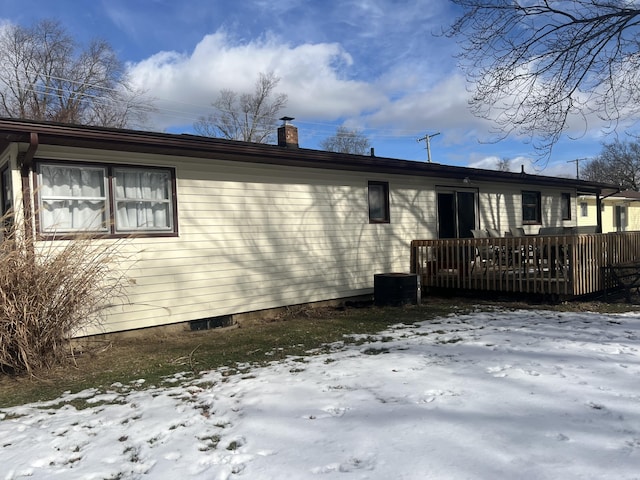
x=503 y=164
x=347 y=141
x=44 y=76
x=618 y=164
x=535 y=65
x=250 y=117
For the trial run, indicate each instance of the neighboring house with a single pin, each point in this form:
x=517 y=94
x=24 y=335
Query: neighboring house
x=620 y=211
x=222 y=227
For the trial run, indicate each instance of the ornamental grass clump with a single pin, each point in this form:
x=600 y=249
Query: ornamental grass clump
x=48 y=292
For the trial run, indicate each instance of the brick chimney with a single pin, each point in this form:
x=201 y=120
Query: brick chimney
x=287 y=134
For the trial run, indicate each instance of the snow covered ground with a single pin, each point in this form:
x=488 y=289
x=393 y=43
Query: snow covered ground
x=499 y=395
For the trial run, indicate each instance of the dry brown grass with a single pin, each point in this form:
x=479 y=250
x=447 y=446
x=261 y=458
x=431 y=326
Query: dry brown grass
x=47 y=293
x=155 y=354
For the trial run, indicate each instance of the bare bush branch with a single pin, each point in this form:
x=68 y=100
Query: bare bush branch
x=49 y=293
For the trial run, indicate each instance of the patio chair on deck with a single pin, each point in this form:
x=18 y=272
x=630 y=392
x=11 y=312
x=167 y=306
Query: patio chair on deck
x=485 y=253
x=518 y=257
x=582 y=229
x=551 y=231
x=480 y=233
x=517 y=231
x=553 y=254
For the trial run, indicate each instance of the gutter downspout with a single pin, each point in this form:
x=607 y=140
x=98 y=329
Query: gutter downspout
x=25 y=162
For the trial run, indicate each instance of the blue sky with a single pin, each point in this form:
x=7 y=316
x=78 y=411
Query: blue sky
x=375 y=65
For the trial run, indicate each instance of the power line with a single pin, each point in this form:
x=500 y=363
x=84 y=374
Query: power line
x=188 y=111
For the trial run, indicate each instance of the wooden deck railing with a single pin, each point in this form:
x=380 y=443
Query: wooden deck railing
x=562 y=265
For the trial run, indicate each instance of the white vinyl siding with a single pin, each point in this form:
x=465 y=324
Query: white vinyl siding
x=255 y=237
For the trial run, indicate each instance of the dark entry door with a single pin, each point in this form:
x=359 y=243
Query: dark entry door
x=456 y=214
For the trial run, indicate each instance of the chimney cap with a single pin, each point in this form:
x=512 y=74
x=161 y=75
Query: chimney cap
x=286 y=120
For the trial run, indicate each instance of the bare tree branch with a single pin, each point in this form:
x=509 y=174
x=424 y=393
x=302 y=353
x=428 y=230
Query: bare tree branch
x=503 y=164
x=347 y=141
x=250 y=117
x=618 y=164
x=43 y=76
x=537 y=67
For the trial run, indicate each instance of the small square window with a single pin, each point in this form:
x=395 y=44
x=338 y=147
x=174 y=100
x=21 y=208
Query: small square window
x=379 y=202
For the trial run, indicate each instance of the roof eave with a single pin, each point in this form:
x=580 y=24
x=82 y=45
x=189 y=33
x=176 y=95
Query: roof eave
x=212 y=148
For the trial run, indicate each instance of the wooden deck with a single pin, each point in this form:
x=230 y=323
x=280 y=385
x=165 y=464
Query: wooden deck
x=563 y=266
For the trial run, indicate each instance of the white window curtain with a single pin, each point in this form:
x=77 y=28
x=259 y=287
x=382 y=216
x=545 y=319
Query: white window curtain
x=72 y=199
x=143 y=200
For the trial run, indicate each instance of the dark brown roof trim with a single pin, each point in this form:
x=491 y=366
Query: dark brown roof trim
x=183 y=145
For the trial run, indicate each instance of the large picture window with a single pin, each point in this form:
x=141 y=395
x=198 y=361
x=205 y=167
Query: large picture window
x=105 y=199
x=531 y=208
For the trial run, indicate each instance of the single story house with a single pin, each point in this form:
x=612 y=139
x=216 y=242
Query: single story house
x=620 y=212
x=221 y=228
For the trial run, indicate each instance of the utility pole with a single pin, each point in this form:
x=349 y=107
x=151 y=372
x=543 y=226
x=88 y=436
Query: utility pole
x=428 y=138
x=577 y=162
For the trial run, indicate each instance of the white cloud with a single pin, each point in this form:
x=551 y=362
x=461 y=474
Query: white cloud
x=311 y=75
x=323 y=80
x=531 y=165
x=440 y=107
x=490 y=162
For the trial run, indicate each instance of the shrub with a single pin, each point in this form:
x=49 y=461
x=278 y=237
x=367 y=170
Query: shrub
x=48 y=292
